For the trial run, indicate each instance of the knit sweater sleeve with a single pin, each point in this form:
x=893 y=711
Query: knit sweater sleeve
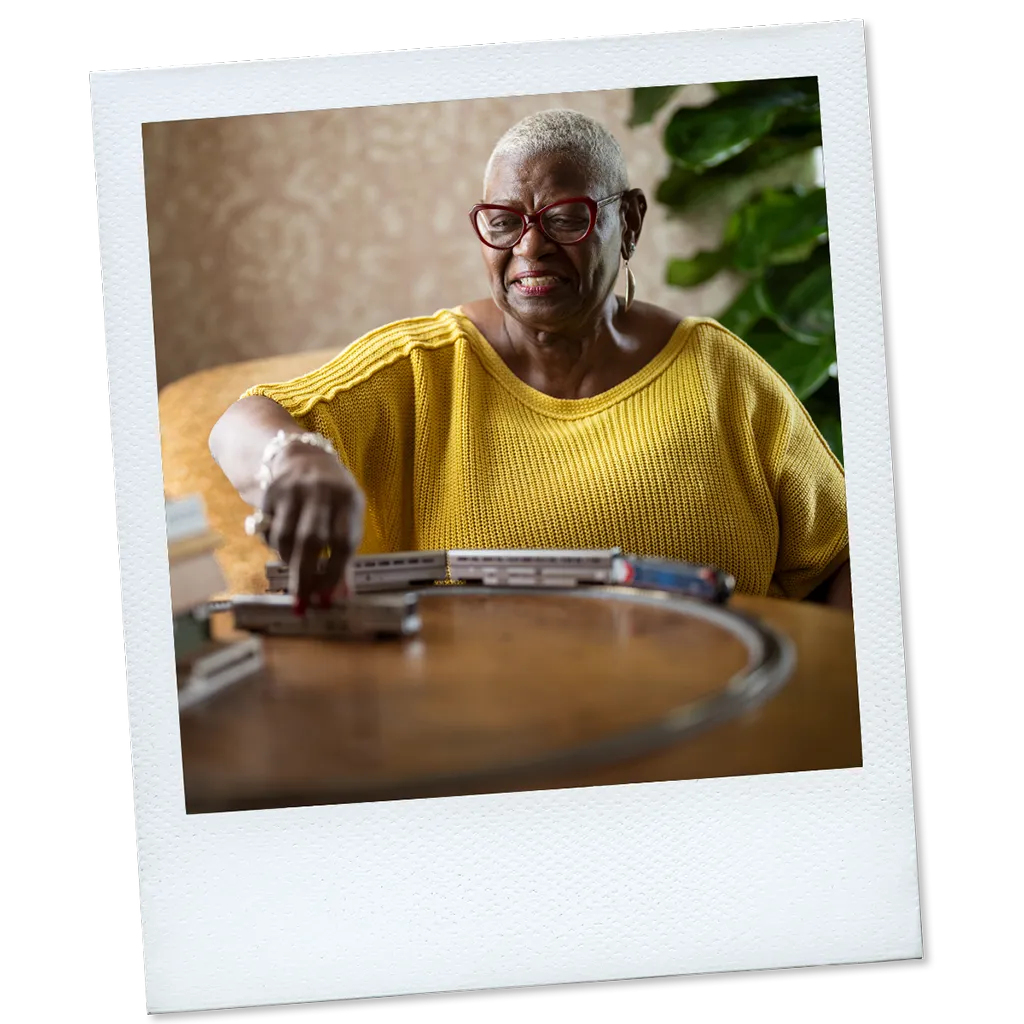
x=361 y=401
x=811 y=502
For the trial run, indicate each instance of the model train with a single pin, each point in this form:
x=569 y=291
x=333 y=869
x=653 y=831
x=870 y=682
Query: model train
x=527 y=567
x=378 y=573
x=209 y=672
x=380 y=615
x=700 y=581
x=572 y=568
x=538 y=567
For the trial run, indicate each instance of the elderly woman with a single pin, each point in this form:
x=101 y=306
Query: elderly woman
x=552 y=414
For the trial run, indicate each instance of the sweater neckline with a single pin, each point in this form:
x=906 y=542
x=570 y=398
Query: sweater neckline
x=567 y=408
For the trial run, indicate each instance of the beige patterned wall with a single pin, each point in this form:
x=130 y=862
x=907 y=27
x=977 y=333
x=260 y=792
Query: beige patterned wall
x=289 y=232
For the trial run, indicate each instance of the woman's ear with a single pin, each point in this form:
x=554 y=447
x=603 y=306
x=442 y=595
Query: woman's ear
x=634 y=209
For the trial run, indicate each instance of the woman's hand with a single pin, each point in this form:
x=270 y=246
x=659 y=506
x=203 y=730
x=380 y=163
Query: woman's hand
x=313 y=503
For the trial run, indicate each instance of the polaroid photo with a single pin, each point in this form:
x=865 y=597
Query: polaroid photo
x=506 y=516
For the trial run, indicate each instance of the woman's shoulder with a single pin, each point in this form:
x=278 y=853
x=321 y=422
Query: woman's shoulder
x=392 y=344
x=698 y=333
x=380 y=353
x=402 y=337
x=739 y=384
x=716 y=339
x=728 y=356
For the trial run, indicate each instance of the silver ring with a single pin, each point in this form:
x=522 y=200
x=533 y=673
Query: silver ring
x=258 y=524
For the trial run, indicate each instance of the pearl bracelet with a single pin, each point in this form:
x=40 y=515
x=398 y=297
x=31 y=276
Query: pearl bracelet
x=258 y=523
x=278 y=444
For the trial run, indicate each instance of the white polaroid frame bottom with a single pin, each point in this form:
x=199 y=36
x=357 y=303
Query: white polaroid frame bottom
x=527 y=888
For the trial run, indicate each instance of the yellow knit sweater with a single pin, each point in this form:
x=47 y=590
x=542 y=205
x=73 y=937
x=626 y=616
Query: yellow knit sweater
x=703 y=455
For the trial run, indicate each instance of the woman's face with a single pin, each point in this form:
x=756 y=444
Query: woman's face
x=546 y=286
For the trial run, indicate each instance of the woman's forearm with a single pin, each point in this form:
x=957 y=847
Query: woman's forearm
x=239 y=437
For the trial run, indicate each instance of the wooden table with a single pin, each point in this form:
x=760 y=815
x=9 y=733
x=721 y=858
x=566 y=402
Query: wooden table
x=505 y=679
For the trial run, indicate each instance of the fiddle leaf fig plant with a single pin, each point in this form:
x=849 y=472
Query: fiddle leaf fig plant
x=750 y=151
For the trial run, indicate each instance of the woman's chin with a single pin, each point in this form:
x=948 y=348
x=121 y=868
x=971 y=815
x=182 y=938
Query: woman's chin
x=545 y=322
x=546 y=310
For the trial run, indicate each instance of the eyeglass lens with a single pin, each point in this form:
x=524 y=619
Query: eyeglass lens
x=565 y=223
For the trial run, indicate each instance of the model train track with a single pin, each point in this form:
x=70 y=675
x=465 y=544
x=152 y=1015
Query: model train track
x=388 y=586
x=770 y=662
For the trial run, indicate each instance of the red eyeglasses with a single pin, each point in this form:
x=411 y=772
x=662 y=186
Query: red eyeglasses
x=567 y=222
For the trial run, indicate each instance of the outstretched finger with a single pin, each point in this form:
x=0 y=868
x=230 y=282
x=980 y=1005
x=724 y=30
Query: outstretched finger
x=310 y=541
x=284 y=512
x=329 y=570
x=347 y=535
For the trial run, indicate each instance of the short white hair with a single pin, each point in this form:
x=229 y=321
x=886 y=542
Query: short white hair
x=565 y=131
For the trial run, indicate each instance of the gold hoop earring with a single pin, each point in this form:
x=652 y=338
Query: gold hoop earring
x=630 y=286
x=631 y=282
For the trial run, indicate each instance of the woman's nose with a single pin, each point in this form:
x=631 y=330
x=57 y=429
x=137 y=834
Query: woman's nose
x=533 y=243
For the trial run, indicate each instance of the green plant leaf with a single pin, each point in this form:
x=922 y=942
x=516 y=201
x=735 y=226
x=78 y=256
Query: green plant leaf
x=832 y=430
x=823 y=407
x=827 y=396
x=702 y=137
x=804 y=367
x=647 y=101
x=779 y=227
x=767 y=86
x=752 y=146
x=699 y=268
x=743 y=312
x=730 y=88
x=778 y=146
x=684 y=189
x=798 y=297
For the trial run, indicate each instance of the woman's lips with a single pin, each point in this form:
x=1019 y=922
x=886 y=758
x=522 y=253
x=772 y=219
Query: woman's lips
x=537 y=284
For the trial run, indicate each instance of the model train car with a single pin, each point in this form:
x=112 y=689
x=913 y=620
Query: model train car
x=527 y=567
x=212 y=669
x=701 y=581
x=378 y=615
x=404 y=570
x=541 y=567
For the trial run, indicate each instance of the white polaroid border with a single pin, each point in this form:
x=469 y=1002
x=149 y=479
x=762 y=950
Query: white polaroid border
x=629 y=881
